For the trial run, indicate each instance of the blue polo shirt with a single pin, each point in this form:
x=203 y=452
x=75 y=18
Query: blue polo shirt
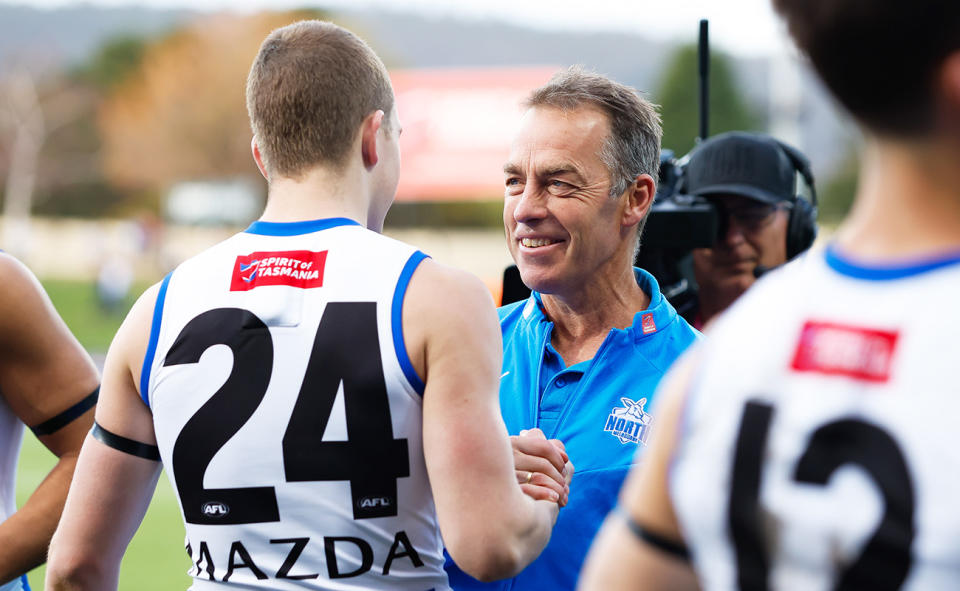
x=600 y=410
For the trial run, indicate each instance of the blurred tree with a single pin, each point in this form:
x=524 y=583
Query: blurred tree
x=113 y=63
x=43 y=145
x=678 y=96
x=836 y=194
x=182 y=114
x=23 y=119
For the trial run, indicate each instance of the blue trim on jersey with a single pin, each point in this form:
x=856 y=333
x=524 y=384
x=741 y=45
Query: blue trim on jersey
x=297 y=228
x=396 y=321
x=846 y=266
x=26 y=584
x=152 y=345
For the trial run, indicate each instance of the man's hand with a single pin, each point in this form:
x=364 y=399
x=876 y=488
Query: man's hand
x=543 y=468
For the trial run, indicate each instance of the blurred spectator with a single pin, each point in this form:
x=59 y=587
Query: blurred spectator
x=114 y=280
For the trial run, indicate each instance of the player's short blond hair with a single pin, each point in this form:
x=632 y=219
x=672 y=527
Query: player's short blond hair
x=310 y=87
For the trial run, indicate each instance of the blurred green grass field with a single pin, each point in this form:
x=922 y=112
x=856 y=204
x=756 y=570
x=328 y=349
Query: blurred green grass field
x=76 y=301
x=155 y=559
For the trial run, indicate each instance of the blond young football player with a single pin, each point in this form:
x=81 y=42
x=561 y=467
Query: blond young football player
x=323 y=398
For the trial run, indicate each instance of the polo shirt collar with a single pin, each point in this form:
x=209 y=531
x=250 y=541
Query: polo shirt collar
x=656 y=317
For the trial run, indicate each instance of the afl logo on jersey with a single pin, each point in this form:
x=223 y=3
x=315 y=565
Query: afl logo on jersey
x=374 y=502
x=630 y=423
x=214 y=509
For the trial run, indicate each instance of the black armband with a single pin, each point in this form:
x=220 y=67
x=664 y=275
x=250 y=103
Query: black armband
x=675 y=549
x=128 y=446
x=68 y=416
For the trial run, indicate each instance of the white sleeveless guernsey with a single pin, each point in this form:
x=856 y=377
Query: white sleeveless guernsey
x=288 y=415
x=11 y=436
x=820 y=444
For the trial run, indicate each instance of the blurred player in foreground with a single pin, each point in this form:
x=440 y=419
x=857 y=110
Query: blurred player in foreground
x=49 y=382
x=812 y=442
x=302 y=379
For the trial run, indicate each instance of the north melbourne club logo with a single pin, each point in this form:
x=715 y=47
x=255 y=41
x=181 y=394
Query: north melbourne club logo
x=630 y=423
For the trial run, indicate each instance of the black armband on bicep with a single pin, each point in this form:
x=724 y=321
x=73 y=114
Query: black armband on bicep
x=68 y=416
x=675 y=549
x=128 y=446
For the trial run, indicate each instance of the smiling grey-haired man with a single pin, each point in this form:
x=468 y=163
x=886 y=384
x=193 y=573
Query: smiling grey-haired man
x=583 y=354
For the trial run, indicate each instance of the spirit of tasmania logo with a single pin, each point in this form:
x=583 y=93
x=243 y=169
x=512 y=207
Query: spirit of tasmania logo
x=294 y=268
x=832 y=349
x=630 y=423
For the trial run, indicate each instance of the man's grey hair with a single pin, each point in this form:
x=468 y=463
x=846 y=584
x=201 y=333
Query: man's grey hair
x=633 y=146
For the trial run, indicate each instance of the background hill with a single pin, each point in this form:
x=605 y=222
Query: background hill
x=69 y=36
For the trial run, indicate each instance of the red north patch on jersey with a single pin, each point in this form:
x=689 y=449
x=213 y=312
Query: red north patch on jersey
x=295 y=268
x=833 y=349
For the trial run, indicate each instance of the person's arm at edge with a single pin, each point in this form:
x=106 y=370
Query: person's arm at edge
x=111 y=489
x=43 y=372
x=490 y=527
x=618 y=558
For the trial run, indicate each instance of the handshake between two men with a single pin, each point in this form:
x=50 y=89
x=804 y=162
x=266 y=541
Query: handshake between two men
x=544 y=469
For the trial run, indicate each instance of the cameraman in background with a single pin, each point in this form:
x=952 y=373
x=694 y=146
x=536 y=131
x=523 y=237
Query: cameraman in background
x=764 y=192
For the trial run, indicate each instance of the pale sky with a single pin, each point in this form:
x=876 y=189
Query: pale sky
x=745 y=27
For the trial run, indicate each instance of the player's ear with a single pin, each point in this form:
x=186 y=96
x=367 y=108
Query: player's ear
x=950 y=94
x=255 y=149
x=950 y=78
x=639 y=199
x=368 y=138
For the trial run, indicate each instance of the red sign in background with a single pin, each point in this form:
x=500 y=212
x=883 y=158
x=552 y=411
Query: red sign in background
x=457 y=127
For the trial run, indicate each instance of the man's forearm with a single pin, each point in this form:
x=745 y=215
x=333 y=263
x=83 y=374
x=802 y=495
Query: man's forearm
x=83 y=577
x=25 y=536
x=531 y=541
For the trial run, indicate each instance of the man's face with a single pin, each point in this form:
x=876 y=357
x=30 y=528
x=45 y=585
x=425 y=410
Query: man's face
x=756 y=234
x=562 y=225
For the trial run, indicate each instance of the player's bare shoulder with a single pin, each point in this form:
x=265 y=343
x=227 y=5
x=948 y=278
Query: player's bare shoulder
x=130 y=342
x=32 y=334
x=24 y=302
x=444 y=304
x=437 y=287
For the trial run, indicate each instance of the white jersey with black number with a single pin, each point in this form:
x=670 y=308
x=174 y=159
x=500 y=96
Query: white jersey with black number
x=288 y=415
x=820 y=444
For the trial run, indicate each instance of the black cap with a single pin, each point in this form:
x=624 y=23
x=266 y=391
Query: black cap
x=749 y=164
